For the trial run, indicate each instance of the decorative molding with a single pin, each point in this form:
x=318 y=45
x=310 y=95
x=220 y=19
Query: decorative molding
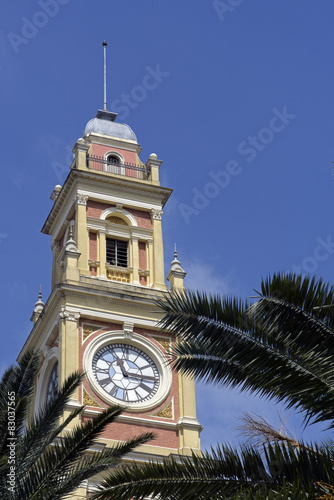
x=51 y=356
x=165 y=343
x=94 y=263
x=88 y=329
x=124 y=231
x=117 y=210
x=189 y=423
x=131 y=419
x=128 y=329
x=87 y=400
x=114 y=153
x=142 y=272
x=65 y=314
x=85 y=311
x=166 y=412
x=45 y=350
x=55 y=246
x=124 y=186
x=116 y=220
x=121 y=275
x=81 y=199
x=156 y=214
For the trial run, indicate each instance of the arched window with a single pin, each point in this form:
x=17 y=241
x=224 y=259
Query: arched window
x=114 y=164
x=113 y=160
x=52 y=387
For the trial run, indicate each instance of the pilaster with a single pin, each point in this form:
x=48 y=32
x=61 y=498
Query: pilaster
x=150 y=259
x=82 y=232
x=158 y=251
x=56 y=275
x=189 y=427
x=154 y=164
x=80 y=150
x=102 y=246
x=68 y=346
x=135 y=260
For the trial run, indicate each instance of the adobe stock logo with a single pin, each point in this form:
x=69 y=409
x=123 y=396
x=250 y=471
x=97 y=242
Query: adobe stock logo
x=3 y=236
x=30 y=27
x=150 y=81
x=321 y=253
x=225 y=7
x=62 y=170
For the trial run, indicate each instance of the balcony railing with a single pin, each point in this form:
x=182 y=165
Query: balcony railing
x=126 y=169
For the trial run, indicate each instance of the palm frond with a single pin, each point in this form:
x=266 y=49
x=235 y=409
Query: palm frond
x=223 y=473
x=226 y=341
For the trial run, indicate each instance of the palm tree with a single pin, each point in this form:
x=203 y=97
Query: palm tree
x=38 y=458
x=282 y=348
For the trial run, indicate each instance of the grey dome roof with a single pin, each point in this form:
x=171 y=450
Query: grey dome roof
x=104 y=124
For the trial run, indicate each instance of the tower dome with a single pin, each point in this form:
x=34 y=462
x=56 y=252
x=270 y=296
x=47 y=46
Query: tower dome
x=104 y=124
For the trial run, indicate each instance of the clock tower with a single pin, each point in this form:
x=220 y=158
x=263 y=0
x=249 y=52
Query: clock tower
x=101 y=316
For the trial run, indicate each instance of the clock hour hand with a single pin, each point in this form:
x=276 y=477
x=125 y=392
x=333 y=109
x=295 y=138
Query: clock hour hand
x=120 y=363
x=137 y=375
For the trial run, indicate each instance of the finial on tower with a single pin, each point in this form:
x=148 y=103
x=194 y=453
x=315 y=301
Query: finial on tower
x=39 y=306
x=105 y=74
x=71 y=245
x=176 y=274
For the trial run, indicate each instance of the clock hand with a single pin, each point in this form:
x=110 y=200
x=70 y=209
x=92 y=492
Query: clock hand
x=137 y=375
x=120 y=363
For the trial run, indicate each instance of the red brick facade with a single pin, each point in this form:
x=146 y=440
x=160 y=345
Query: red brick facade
x=95 y=209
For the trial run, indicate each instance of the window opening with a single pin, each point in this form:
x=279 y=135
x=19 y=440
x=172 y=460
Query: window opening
x=113 y=160
x=117 y=252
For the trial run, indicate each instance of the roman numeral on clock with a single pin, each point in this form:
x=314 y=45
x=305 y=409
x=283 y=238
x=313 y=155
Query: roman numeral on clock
x=113 y=391
x=126 y=353
x=125 y=395
x=105 y=381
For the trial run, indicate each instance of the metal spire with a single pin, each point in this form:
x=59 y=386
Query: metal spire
x=175 y=252
x=40 y=292
x=105 y=73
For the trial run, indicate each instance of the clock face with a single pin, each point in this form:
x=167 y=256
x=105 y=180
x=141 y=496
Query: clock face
x=52 y=387
x=126 y=373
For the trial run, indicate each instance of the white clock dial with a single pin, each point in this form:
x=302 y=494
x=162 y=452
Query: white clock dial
x=126 y=373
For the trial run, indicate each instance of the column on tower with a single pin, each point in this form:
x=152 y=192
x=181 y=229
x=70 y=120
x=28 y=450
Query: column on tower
x=82 y=231
x=135 y=259
x=158 y=250
x=102 y=248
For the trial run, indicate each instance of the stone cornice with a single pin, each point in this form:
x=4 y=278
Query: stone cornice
x=97 y=178
x=137 y=297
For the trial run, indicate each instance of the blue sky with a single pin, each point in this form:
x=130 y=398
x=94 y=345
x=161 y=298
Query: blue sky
x=241 y=116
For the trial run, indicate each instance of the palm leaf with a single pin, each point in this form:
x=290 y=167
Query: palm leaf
x=282 y=472
x=225 y=341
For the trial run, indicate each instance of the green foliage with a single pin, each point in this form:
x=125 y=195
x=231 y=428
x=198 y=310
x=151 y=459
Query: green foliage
x=281 y=348
x=50 y=463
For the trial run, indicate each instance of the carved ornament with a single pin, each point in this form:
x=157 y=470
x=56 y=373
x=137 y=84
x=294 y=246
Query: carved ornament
x=165 y=343
x=81 y=199
x=69 y=316
x=156 y=214
x=166 y=412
